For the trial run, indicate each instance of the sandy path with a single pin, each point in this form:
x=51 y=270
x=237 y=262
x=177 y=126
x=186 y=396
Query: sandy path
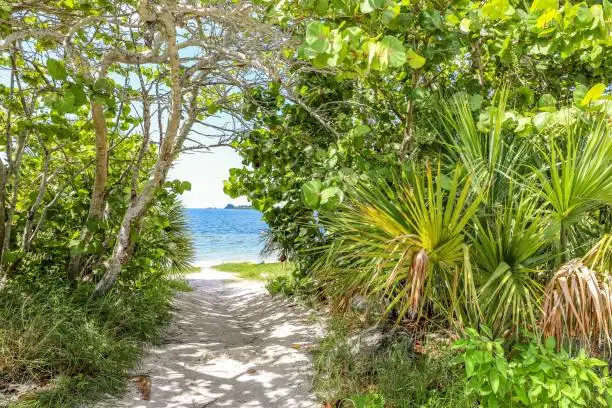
x=229 y=345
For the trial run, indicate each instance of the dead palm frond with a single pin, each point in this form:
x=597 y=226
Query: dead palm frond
x=578 y=306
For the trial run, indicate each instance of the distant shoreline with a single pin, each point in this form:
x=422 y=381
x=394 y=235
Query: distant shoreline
x=238 y=207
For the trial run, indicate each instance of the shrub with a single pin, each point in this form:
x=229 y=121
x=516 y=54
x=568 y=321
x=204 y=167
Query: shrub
x=532 y=375
x=367 y=369
x=295 y=284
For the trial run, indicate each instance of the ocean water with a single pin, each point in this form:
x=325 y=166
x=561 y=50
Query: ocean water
x=226 y=235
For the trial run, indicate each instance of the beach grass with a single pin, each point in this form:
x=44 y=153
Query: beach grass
x=256 y=271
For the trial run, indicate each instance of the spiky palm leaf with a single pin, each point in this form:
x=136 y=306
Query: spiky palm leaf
x=599 y=257
x=401 y=240
x=507 y=250
x=577 y=178
x=492 y=157
x=174 y=239
x=278 y=243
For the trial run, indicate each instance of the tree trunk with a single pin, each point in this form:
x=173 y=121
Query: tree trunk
x=96 y=206
x=122 y=250
x=15 y=171
x=409 y=120
x=26 y=239
x=2 y=205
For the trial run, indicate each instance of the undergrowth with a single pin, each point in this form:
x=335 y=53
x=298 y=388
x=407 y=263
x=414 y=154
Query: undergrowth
x=73 y=348
x=354 y=371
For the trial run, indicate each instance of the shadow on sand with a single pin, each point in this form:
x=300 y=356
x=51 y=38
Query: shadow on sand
x=230 y=345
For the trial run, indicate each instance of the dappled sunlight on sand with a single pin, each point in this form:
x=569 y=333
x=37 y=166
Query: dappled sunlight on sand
x=229 y=345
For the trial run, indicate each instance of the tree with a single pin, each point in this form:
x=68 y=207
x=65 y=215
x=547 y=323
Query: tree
x=160 y=74
x=399 y=59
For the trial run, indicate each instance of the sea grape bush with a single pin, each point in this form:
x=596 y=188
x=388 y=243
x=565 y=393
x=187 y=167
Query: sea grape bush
x=532 y=375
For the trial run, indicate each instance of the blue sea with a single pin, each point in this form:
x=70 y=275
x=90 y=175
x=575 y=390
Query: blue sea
x=226 y=235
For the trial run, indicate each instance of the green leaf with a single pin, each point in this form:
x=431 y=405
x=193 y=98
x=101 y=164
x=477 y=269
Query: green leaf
x=550 y=343
x=494 y=379
x=547 y=100
x=475 y=102
x=495 y=9
x=538 y=5
x=311 y=194
x=415 y=61
x=102 y=85
x=541 y=119
x=464 y=26
x=321 y=7
x=317 y=37
x=492 y=401
x=331 y=196
x=395 y=51
x=593 y=94
x=57 y=70
x=579 y=93
x=80 y=98
x=368 y=6
x=185 y=186
x=469 y=367
x=361 y=130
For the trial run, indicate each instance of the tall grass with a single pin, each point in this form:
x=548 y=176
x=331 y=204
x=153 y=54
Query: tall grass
x=349 y=367
x=76 y=348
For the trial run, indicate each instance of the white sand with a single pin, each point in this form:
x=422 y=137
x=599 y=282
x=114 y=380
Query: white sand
x=230 y=345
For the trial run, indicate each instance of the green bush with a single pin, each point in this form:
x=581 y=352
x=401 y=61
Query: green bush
x=534 y=375
x=295 y=284
x=281 y=285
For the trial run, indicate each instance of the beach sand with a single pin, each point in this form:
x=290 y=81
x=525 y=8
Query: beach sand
x=229 y=344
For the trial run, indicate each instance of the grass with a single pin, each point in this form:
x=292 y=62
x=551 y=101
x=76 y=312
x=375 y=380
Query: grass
x=74 y=348
x=389 y=373
x=253 y=271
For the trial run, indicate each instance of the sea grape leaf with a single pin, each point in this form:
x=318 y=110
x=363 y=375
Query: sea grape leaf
x=57 y=70
x=331 y=196
x=311 y=194
x=395 y=51
x=316 y=37
x=80 y=98
x=593 y=94
x=415 y=61
x=543 y=5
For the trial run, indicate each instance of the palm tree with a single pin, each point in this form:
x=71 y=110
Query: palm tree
x=479 y=239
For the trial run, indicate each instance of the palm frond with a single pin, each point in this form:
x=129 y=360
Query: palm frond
x=600 y=256
x=577 y=178
x=508 y=252
x=394 y=240
x=578 y=306
x=492 y=157
x=174 y=239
